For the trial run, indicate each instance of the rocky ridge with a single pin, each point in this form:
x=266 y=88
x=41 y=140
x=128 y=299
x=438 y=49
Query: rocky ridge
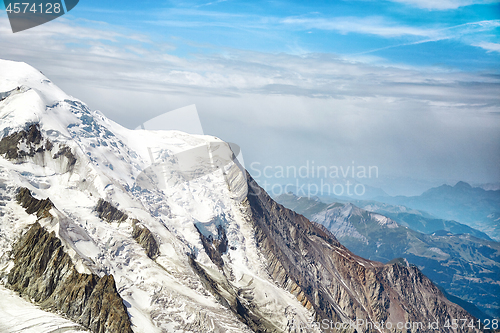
x=310 y=263
x=44 y=272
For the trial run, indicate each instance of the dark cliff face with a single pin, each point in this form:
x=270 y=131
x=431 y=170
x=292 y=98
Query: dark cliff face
x=9 y=144
x=65 y=151
x=32 y=205
x=140 y=233
x=45 y=273
x=108 y=212
x=308 y=261
x=34 y=144
x=145 y=238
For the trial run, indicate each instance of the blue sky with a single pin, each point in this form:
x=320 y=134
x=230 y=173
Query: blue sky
x=411 y=86
x=413 y=32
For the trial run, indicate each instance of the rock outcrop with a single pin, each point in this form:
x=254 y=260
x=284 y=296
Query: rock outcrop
x=32 y=205
x=45 y=273
x=215 y=248
x=145 y=238
x=108 y=212
x=9 y=145
x=65 y=151
x=28 y=143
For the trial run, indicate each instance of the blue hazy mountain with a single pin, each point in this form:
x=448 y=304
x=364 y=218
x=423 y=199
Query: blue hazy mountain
x=474 y=206
x=418 y=220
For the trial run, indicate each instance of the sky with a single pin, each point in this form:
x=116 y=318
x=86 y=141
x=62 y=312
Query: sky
x=409 y=86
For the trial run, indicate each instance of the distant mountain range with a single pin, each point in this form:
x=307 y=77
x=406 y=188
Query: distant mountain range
x=466 y=266
x=412 y=218
x=474 y=206
x=418 y=220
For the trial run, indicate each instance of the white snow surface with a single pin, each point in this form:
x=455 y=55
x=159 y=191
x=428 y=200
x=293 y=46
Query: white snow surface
x=18 y=315
x=199 y=184
x=385 y=221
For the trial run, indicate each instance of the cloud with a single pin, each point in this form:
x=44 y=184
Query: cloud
x=490 y=47
x=281 y=108
x=99 y=55
x=369 y=25
x=443 y=4
x=468 y=33
x=211 y=3
x=381 y=27
x=470 y=28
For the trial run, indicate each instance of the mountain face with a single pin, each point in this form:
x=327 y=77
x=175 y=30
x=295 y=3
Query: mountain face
x=307 y=257
x=115 y=230
x=473 y=206
x=466 y=266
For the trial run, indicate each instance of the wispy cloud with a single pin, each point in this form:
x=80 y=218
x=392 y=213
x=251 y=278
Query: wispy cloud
x=381 y=27
x=443 y=4
x=211 y=3
x=468 y=33
x=490 y=47
x=471 y=27
x=454 y=32
x=98 y=55
x=368 y=25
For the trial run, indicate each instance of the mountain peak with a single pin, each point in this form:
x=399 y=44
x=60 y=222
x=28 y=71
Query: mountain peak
x=462 y=185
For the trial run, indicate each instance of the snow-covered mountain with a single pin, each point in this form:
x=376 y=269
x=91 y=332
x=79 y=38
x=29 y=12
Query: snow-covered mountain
x=117 y=230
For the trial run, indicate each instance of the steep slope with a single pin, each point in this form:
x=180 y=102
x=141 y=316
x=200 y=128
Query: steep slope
x=44 y=272
x=162 y=231
x=307 y=260
x=466 y=266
